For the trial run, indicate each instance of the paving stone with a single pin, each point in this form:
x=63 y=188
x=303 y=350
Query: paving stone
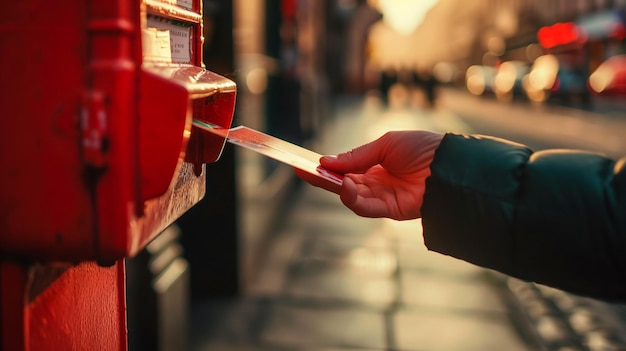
x=230 y=321
x=236 y=346
x=433 y=330
x=324 y=281
x=332 y=247
x=417 y=258
x=440 y=291
x=272 y=274
x=413 y=254
x=221 y=345
x=407 y=233
x=553 y=330
x=331 y=221
x=316 y=328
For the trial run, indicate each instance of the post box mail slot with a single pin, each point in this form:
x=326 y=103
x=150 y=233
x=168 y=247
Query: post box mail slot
x=98 y=150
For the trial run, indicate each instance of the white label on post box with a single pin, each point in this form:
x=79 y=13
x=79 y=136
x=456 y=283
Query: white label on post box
x=179 y=37
x=156 y=45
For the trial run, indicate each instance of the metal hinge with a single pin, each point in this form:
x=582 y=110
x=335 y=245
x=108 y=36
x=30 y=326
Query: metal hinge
x=94 y=130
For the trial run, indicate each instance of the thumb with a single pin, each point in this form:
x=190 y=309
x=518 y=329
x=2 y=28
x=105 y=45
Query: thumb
x=357 y=160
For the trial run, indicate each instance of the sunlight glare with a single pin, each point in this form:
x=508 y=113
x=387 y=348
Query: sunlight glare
x=404 y=16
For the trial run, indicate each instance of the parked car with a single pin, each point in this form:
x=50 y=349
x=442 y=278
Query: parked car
x=610 y=77
x=551 y=79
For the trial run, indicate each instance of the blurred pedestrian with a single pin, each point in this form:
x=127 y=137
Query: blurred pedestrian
x=555 y=217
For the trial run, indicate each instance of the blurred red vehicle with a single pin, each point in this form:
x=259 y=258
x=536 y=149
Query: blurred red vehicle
x=610 y=77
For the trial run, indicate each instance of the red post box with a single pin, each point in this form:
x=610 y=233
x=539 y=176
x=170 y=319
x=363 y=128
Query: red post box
x=98 y=150
x=98 y=155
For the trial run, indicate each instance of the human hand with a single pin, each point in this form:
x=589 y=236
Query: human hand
x=386 y=177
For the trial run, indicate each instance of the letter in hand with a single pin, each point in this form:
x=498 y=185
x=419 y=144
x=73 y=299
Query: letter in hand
x=386 y=177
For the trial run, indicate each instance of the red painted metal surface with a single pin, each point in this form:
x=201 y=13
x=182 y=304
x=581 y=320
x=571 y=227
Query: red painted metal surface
x=98 y=156
x=96 y=144
x=13 y=330
x=62 y=307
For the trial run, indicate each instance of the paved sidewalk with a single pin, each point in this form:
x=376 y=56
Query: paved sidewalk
x=336 y=281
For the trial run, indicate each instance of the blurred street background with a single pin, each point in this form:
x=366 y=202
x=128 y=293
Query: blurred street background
x=275 y=264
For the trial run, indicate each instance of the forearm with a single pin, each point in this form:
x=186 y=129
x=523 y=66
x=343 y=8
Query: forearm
x=552 y=217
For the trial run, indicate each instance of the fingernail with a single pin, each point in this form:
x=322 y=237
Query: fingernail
x=329 y=158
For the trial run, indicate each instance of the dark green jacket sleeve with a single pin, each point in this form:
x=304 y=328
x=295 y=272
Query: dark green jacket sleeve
x=554 y=217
